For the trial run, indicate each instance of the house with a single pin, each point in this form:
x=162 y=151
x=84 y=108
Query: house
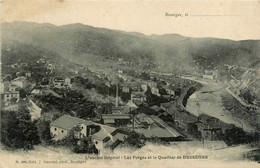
x=102 y=136
x=208 y=77
x=20 y=81
x=6 y=97
x=144 y=87
x=155 y=91
x=168 y=97
x=4 y=86
x=9 y=93
x=28 y=74
x=41 y=61
x=126 y=89
x=139 y=96
x=210 y=74
x=61 y=82
x=60 y=127
x=120 y=71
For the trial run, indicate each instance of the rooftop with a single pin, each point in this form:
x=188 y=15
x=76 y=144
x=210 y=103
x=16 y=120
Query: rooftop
x=67 y=122
x=104 y=132
x=156 y=108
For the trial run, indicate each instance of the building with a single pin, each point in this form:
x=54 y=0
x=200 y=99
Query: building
x=210 y=74
x=61 y=82
x=166 y=106
x=126 y=89
x=20 y=81
x=155 y=91
x=7 y=97
x=208 y=77
x=9 y=93
x=157 y=109
x=120 y=71
x=108 y=137
x=144 y=87
x=145 y=110
x=138 y=96
x=116 y=119
x=102 y=136
x=28 y=74
x=60 y=127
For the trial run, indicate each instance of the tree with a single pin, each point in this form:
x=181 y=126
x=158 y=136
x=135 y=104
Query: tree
x=22 y=93
x=135 y=140
x=236 y=135
x=18 y=131
x=78 y=144
x=44 y=133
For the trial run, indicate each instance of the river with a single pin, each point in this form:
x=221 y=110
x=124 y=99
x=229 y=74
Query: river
x=208 y=100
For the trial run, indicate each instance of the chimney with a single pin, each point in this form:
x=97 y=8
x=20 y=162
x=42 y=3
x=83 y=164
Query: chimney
x=116 y=95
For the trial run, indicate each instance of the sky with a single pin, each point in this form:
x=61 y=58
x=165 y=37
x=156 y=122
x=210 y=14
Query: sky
x=221 y=19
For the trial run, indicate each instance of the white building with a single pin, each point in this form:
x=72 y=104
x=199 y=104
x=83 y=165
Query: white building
x=20 y=81
x=102 y=136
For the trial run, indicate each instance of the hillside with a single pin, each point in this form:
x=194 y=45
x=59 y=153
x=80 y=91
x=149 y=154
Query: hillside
x=79 y=43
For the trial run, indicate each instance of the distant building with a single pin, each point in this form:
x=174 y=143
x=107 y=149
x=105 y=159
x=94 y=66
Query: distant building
x=8 y=92
x=126 y=89
x=61 y=82
x=138 y=96
x=28 y=74
x=210 y=74
x=41 y=61
x=157 y=109
x=120 y=71
x=155 y=91
x=20 y=81
x=208 y=77
x=144 y=87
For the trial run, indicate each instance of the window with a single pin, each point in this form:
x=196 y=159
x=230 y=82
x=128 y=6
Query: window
x=81 y=127
x=55 y=129
x=62 y=131
x=96 y=142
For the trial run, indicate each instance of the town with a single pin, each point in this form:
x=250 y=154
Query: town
x=91 y=111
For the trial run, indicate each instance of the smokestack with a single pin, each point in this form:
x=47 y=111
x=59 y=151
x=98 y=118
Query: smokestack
x=116 y=95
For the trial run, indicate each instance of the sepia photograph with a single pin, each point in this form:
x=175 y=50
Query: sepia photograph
x=101 y=84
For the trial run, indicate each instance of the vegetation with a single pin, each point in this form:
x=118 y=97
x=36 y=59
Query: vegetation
x=235 y=136
x=75 y=144
x=17 y=129
x=71 y=102
x=135 y=140
x=44 y=133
